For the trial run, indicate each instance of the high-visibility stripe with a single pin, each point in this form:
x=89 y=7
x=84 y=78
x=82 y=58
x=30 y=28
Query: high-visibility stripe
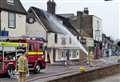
x=13 y=44
x=35 y=53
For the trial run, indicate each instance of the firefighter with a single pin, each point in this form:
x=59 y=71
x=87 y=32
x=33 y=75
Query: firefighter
x=23 y=70
x=90 y=58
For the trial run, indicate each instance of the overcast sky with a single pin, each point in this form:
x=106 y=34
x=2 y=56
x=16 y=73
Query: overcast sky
x=107 y=11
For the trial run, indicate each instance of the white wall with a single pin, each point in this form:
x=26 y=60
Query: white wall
x=20 y=24
x=36 y=29
x=61 y=48
x=51 y=41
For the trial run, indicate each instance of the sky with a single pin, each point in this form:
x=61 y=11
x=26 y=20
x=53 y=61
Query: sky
x=108 y=11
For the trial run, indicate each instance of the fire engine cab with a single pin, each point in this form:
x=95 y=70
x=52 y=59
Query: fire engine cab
x=10 y=51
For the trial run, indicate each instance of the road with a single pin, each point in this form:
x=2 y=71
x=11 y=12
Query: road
x=57 y=71
x=49 y=73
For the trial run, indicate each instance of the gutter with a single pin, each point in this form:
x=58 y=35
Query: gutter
x=24 y=13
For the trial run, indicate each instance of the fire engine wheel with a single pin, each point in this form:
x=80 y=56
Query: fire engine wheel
x=37 y=68
x=11 y=71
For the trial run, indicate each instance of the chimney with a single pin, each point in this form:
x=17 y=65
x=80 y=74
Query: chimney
x=79 y=13
x=51 y=6
x=86 y=11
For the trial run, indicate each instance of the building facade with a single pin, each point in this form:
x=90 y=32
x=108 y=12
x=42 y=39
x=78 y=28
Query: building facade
x=108 y=46
x=60 y=46
x=89 y=28
x=12 y=17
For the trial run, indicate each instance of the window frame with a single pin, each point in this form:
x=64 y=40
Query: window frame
x=10 y=26
x=70 y=40
x=63 y=42
x=11 y=2
x=31 y=47
x=56 y=38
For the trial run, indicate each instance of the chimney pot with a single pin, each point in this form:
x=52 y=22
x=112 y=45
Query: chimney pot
x=86 y=11
x=79 y=13
x=51 y=6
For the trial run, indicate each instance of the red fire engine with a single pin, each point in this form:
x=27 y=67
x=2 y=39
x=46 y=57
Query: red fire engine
x=10 y=51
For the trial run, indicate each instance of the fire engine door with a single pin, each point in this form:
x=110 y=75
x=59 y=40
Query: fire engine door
x=1 y=66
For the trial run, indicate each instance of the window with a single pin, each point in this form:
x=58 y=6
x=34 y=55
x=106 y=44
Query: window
x=63 y=55
x=97 y=35
x=56 y=38
x=63 y=41
x=74 y=55
x=41 y=47
x=98 y=25
x=31 y=20
x=11 y=20
x=30 y=47
x=70 y=40
x=10 y=1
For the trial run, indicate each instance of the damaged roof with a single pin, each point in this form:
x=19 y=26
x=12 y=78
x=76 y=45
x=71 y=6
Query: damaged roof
x=49 y=25
x=67 y=23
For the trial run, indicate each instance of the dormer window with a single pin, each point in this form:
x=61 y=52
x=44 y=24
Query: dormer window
x=10 y=1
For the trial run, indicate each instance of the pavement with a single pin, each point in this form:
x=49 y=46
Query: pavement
x=61 y=70
x=113 y=78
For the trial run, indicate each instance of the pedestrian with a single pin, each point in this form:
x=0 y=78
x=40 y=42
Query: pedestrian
x=23 y=70
x=67 y=58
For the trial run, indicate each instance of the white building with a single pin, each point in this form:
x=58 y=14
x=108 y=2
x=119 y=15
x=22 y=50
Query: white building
x=12 y=17
x=97 y=28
